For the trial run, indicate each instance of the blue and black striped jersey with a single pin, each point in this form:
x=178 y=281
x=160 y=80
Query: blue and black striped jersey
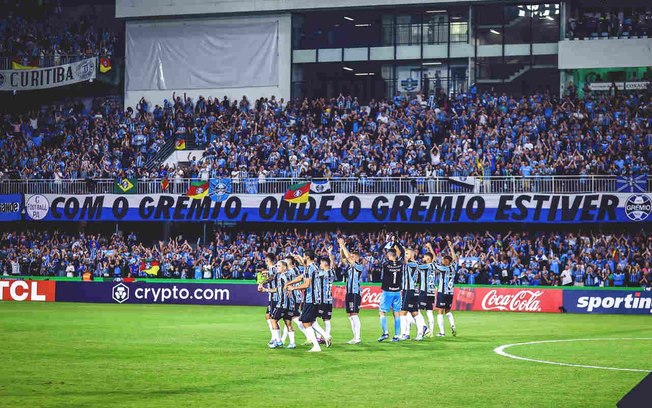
x=313 y=293
x=447 y=279
x=410 y=275
x=353 y=277
x=327 y=278
x=428 y=278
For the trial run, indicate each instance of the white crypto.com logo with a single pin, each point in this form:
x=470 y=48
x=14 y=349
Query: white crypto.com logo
x=120 y=292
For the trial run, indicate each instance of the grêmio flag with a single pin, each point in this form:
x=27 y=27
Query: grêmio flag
x=125 y=186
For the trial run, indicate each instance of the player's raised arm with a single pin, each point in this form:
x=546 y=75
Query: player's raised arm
x=344 y=252
x=452 y=250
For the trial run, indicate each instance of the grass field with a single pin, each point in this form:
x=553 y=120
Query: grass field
x=109 y=355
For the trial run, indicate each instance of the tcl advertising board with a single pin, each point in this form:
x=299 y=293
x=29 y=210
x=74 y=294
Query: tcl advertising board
x=27 y=290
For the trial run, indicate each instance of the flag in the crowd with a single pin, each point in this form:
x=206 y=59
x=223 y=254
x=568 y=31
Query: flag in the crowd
x=198 y=190
x=251 y=185
x=16 y=65
x=125 y=186
x=462 y=181
x=298 y=193
x=220 y=189
x=150 y=266
x=165 y=183
x=480 y=166
x=631 y=184
x=320 y=186
x=180 y=144
x=105 y=65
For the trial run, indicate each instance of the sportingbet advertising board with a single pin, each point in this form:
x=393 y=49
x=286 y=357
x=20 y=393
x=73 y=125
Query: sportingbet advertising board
x=608 y=301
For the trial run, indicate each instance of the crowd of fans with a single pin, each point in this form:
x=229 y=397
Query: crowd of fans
x=513 y=258
x=469 y=134
x=611 y=24
x=40 y=34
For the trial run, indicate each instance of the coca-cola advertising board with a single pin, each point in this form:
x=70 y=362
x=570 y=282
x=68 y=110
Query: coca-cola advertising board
x=472 y=298
x=509 y=299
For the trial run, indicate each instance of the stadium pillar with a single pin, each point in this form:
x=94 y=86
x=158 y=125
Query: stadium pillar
x=166 y=230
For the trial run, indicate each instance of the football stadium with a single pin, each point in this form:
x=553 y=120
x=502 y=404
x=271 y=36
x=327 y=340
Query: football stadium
x=369 y=203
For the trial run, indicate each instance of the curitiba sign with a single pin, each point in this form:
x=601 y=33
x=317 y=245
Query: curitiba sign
x=338 y=208
x=50 y=77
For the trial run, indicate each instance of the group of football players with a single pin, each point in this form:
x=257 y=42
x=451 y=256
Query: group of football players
x=300 y=290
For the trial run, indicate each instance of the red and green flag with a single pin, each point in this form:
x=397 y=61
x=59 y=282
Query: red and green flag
x=180 y=144
x=298 y=193
x=165 y=183
x=198 y=190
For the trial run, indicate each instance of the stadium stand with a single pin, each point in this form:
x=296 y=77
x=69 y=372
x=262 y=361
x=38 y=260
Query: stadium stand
x=41 y=34
x=470 y=135
x=513 y=258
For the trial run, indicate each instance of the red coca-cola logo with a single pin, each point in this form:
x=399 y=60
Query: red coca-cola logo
x=521 y=301
x=370 y=297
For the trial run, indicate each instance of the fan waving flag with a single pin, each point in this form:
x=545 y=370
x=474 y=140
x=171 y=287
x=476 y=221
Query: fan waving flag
x=150 y=266
x=220 y=189
x=198 y=190
x=105 y=65
x=17 y=66
x=125 y=186
x=631 y=184
x=298 y=193
x=320 y=186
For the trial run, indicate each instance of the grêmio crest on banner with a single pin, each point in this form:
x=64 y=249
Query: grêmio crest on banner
x=50 y=77
x=338 y=208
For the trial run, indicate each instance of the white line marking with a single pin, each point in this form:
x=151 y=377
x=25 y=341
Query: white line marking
x=501 y=351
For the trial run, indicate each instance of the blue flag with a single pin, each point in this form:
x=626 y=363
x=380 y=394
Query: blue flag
x=636 y=184
x=220 y=189
x=251 y=185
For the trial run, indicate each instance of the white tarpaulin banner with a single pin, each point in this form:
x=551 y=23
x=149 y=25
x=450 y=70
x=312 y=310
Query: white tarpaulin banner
x=50 y=77
x=201 y=55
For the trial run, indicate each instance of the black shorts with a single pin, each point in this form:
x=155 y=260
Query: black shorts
x=325 y=311
x=271 y=305
x=444 y=301
x=309 y=313
x=426 y=302
x=278 y=314
x=353 y=302
x=410 y=301
x=288 y=314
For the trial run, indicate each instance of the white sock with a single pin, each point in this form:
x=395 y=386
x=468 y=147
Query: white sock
x=319 y=330
x=269 y=324
x=410 y=322
x=310 y=334
x=352 y=320
x=440 y=322
x=431 y=320
x=450 y=319
x=285 y=334
x=420 y=323
x=356 y=319
x=405 y=328
x=327 y=327
x=275 y=335
x=291 y=335
x=299 y=325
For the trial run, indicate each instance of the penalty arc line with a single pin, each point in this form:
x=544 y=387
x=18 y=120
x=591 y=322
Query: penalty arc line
x=500 y=350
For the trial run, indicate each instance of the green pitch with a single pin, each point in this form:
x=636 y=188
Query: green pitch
x=82 y=355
